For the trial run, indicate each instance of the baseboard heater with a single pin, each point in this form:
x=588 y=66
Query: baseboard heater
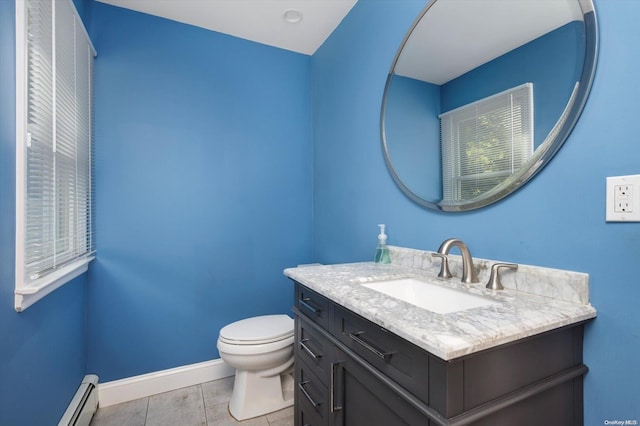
x=83 y=405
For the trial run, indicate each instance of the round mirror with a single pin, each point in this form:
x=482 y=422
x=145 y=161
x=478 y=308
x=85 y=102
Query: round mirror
x=482 y=94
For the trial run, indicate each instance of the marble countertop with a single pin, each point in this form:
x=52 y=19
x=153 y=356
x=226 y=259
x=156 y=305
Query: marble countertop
x=517 y=314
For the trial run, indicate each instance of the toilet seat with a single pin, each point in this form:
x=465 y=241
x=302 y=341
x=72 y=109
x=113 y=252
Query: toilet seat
x=258 y=330
x=250 y=349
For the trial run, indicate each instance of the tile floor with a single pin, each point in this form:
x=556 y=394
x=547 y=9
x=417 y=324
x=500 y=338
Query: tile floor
x=199 y=405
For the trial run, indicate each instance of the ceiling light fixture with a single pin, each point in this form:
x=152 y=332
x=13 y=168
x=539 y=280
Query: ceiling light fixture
x=292 y=16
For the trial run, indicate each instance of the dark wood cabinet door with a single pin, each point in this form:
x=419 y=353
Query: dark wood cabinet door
x=360 y=399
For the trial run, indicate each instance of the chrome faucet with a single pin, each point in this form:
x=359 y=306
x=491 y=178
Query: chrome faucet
x=468 y=272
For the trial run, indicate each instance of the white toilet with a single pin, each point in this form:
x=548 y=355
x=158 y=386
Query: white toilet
x=261 y=351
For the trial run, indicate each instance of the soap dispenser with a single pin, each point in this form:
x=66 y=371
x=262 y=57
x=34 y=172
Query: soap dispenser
x=382 y=251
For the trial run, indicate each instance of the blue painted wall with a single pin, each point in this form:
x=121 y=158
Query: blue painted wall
x=557 y=220
x=42 y=350
x=204 y=188
x=553 y=64
x=412 y=132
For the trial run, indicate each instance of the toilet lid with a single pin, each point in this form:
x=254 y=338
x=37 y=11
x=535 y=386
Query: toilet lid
x=257 y=330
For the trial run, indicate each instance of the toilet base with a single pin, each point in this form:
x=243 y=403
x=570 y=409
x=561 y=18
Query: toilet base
x=255 y=395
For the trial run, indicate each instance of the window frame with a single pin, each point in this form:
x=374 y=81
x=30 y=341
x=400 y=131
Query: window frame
x=29 y=290
x=521 y=99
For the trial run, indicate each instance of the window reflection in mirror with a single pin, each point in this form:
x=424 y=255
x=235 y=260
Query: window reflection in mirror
x=485 y=142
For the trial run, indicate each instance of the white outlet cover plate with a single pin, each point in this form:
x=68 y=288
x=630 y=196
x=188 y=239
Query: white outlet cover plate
x=634 y=214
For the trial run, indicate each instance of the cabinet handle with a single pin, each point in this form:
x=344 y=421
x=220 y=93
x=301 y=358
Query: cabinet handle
x=304 y=302
x=309 y=351
x=332 y=386
x=382 y=355
x=306 y=394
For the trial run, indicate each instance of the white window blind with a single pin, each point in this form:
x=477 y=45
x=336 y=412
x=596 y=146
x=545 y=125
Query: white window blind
x=484 y=142
x=54 y=167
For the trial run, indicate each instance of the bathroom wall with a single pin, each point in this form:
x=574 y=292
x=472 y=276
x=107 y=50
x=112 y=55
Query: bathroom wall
x=411 y=117
x=551 y=62
x=203 y=183
x=42 y=350
x=557 y=220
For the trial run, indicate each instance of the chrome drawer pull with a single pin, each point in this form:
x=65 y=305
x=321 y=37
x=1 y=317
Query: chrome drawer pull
x=332 y=390
x=306 y=394
x=309 y=351
x=382 y=355
x=303 y=302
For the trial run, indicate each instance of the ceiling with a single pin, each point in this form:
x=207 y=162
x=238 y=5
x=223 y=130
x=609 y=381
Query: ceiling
x=494 y=26
x=456 y=36
x=262 y=21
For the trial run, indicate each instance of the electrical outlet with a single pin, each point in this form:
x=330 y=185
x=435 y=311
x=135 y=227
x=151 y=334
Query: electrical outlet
x=623 y=199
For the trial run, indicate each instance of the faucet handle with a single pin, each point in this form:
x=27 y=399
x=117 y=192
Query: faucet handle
x=444 y=267
x=494 y=280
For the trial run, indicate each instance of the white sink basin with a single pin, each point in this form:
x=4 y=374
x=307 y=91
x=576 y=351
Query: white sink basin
x=433 y=297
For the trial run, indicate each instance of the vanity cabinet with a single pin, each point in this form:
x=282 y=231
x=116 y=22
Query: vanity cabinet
x=333 y=388
x=350 y=371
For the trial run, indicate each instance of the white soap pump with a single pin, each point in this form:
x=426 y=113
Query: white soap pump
x=382 y=251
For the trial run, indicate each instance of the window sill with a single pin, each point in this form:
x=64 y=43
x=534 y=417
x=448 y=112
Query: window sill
x=26 y=296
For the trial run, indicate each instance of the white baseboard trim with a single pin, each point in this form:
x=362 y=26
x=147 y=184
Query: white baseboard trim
x=123 y=390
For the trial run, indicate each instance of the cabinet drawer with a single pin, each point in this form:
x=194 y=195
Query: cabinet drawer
x=402 y=361
x=314 y=349
x=306 y=415
x=312 y=397
x=313 y=305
